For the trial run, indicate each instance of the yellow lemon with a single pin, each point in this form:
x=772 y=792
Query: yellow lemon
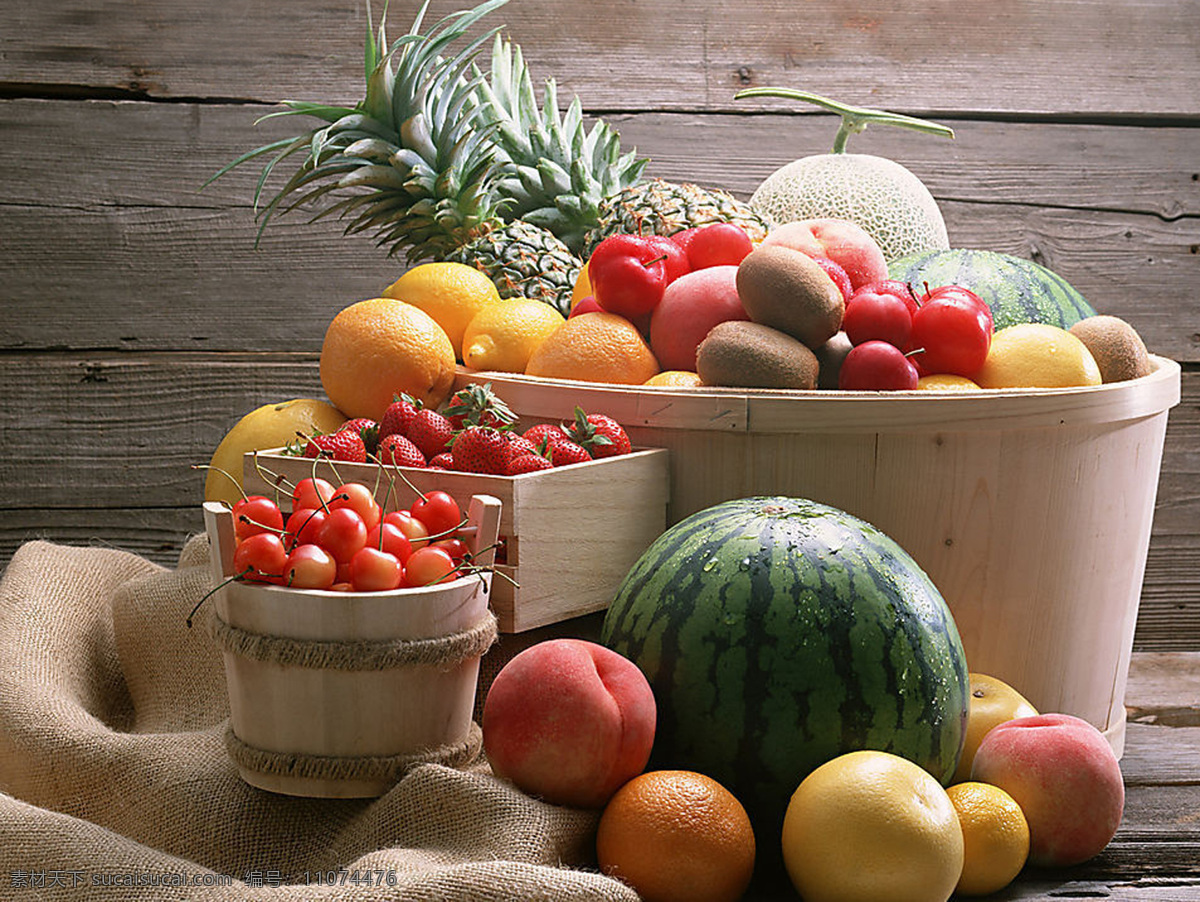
x=674 y=379
x=1036 y=355
x=269 y=426
x=502 y=336
x=451 y=293
x=583 y=286
x=992 y=702
x=871 y=825
x=946 y=382
x=995 y=837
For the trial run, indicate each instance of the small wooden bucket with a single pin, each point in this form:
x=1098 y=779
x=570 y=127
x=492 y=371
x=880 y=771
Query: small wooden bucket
x=1030 y=509
x=337 y=694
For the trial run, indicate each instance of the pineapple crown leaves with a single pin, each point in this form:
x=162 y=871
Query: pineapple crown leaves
x=559 y=170
x=414 y=152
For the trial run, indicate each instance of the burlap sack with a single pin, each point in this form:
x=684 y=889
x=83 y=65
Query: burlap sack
x=115 y=782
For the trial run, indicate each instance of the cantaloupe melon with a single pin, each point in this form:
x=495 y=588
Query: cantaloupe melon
x=881 y=196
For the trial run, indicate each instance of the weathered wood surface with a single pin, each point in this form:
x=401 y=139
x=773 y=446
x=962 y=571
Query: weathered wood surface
x=137 y=321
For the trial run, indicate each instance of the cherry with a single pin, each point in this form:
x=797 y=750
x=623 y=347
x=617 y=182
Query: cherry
x=309 y=567
x=312 y=492
x=414 y=530
x=877 y=366
x=260 y=557
x=428 y=565
x=342 y=534
x=372 y=570
x=359 y=498
x=438 y=511
x=390 y=538
x=255 y=514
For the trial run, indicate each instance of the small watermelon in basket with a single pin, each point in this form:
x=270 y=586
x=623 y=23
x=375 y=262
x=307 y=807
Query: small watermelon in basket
x=778 y=633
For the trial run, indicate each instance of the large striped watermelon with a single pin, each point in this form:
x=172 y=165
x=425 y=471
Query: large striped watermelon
x=1017 y=290
x=778 y=633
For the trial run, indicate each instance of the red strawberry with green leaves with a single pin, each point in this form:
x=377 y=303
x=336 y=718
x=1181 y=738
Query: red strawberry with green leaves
x=430 y=432
x=519 y=445
x=543 y=434
x=478 y=405
x=527 y=463
x=345 y=445
x=367 y=429
x=564 y=451
x=398 y=416
x=481 y=449
x=397 y=450
x=600 y=434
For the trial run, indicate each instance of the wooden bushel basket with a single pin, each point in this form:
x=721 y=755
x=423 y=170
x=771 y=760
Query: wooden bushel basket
x=337 y=694
x=1030 y=509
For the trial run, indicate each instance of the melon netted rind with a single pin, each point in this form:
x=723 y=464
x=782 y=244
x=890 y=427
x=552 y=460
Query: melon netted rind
x=1017 y=290
x=890 y=203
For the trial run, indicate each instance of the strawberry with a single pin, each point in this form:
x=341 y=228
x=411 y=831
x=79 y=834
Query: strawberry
x=564 y=451
x=481 y=449
x=397 y=418
x=442 y=461
x=430 y=432
x=367 y=429
x=600 y=434
x=478 y=405
x=397 y=450
x=344 y=445
x=543 y=434
x=519 y=445
x=527 y=463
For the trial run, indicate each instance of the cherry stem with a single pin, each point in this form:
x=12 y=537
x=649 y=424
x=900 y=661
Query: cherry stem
x=658 y=259
x=214 y=590
x=224 y=473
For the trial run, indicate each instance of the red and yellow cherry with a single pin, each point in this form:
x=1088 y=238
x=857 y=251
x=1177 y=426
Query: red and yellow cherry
x=309 y=567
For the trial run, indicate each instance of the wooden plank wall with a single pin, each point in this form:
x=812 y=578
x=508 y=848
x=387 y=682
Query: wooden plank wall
x=138 y=321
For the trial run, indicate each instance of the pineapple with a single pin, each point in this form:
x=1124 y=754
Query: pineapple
x=524 y=260
x=658 y=207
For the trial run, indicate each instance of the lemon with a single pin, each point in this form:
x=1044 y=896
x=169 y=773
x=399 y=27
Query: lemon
x=946 y=382
x=674 y=379
x=1037 y=355
x=995 y=837
x=451 y=293
x=871 y=825
x=269 y=426
x=502 y=336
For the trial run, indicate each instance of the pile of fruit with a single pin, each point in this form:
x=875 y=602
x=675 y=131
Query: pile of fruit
x=781 y=688
x=555 y=257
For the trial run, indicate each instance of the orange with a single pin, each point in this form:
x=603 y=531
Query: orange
x=595 y=347
x=677 y=836
x=992 y=702
x=675 y=379
x=995 y=837
x=871 y=825
x=379 y=348
x=452 y=293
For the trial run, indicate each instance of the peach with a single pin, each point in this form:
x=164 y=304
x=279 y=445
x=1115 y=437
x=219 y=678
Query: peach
x=569 y=721
x=1063 y=773
x=845 y=243
x=690 y=307
x=992 y=703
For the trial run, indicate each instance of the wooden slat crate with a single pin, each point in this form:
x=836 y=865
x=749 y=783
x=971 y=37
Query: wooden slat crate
x=570 y=534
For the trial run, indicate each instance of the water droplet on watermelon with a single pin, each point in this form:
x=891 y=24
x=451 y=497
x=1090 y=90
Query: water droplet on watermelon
x=711 y=564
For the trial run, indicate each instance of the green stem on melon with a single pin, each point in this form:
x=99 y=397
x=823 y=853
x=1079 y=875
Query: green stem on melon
x=854 y=118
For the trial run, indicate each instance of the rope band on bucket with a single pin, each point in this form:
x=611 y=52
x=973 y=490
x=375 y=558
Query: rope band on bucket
x=443 y=652
x=376 y=768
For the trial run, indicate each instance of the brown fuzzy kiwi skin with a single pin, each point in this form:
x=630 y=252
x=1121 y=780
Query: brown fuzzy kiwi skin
x=786 y=290
x=745 y=354
x=1119 y=351
x=830 y=356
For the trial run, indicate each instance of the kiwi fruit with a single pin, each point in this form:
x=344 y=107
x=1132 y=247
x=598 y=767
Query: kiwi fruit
x=787 y=290
x=750 y=355
x=830 y=356
x=1119 y=351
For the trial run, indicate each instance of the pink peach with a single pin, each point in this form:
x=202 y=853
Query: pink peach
x=845 y=243
x=1063 y=773
x=569 y=721
x=690 y=307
